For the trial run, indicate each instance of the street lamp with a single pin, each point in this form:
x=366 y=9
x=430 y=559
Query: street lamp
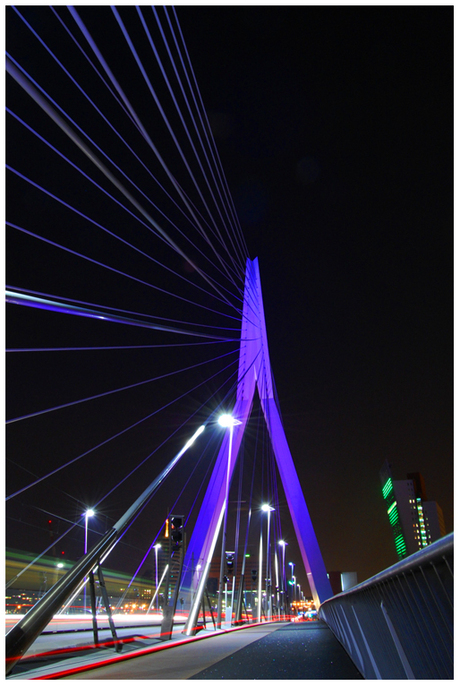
x=156 y=548
x=291 y=583
x=283 y=545
x=228 y=422
x=88 y=513
x=268 y=509
x=277 y=585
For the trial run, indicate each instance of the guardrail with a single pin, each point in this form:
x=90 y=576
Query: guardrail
x=399 y=623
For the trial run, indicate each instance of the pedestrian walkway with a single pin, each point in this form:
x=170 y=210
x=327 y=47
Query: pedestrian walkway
x=294 y=651
x=270 y=651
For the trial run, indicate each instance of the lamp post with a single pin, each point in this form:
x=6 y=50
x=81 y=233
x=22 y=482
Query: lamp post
x=87 y=514
x=283 y=545
x=268 y=509
x=291 y=583
x=259 y=580
x=228 y=422
x=294 y=589
x=156 y=548
x=277 y=586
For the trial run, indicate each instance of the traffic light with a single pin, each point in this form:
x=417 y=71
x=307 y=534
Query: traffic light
x=230 y=557
x=254 y=574
x=177 y=525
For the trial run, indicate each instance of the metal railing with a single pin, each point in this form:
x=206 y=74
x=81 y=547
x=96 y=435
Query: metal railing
x=399 y=623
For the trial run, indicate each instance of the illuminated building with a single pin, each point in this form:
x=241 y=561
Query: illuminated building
x=415 y=521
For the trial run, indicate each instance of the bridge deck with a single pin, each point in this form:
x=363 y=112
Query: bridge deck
x=288 y=651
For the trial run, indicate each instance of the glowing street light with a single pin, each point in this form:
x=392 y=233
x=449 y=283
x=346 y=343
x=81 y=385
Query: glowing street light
x=227 y=422
x=156 y=548
x=87 y=514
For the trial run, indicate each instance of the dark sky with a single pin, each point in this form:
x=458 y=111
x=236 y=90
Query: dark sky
x=334 y=128
x=339 y=132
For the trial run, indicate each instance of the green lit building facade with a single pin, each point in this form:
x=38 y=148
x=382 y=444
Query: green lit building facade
x=415 y=522
x=391 y=504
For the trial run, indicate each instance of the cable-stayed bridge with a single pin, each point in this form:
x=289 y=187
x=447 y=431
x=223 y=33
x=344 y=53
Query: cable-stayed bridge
x=135 y=321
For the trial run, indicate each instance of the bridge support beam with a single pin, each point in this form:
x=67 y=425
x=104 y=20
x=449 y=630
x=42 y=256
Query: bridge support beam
x=254 y=370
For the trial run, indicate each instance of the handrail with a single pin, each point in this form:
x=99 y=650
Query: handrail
x=399 y=623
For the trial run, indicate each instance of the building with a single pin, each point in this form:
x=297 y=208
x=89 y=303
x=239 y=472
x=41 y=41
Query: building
x=415 y=521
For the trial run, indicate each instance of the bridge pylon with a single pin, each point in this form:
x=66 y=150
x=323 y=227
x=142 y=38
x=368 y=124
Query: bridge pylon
x=254 y=372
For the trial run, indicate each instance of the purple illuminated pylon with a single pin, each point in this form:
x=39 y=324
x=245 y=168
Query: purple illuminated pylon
x=254 y=370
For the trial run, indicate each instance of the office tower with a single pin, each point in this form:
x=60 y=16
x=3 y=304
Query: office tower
x=415 y=521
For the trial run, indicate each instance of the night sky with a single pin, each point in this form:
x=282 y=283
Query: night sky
x=334 y=126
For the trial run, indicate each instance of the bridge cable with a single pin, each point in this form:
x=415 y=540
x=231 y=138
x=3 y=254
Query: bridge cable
x=155 y=318
x=118 y=271
x=115 y=131
x=188 y=107
x=147 y=139
x=176 y=142
x=32 y=91
x=210 y=138
x=245 y=251
x=123 y=431
x=103 y=190
x=118 y=390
